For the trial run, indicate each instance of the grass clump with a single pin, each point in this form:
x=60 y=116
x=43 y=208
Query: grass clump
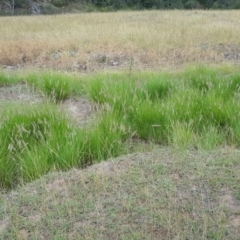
x=180 y=108
x=105 y=139
x=230 y=87
x=159 y=86
x=151 y=122
x=34 y=141
x=39 y=139
x=8 y=79
x=55 y=86
x=201 y=78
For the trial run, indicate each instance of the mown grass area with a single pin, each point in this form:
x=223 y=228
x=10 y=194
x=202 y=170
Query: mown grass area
x=166 y=194
x=198 y=108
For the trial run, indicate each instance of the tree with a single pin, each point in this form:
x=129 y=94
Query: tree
x=10 y=4
x=206 y=3
x=237 y=4
x=173 y=4
x=158 y=4
x=191 y=4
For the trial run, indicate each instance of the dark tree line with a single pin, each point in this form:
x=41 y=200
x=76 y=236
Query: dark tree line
x=111 y=5
x=168 y=4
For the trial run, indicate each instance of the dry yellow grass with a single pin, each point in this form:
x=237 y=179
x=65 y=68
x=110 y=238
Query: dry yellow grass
x=147 y=39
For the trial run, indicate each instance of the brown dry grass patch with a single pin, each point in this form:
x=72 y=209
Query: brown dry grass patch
x=147 y=39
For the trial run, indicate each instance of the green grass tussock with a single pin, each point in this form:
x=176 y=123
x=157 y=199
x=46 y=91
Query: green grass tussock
x=160 y=106
x=33 y=141
x=39 y=139
x=105 y=139
x=8 y=79
x=151 y=122
x=202 y=78
x=159 y=86
x=55 y=86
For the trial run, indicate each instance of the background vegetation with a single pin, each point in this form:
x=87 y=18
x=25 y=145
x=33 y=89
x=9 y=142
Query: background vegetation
x=9 y=7
x=167 y=4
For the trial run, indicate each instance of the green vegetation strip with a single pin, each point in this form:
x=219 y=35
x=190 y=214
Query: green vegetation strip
x=195 y=108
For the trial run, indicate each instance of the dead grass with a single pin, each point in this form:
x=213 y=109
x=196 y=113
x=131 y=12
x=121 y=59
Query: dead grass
x=165 y=194
x=147 y=39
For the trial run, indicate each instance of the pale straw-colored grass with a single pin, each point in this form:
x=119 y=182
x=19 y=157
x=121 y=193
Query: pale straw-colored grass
x=150 y=39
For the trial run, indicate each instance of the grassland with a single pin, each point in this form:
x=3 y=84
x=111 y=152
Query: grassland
x=93 y=41
x=157 y=157
x=188 y=185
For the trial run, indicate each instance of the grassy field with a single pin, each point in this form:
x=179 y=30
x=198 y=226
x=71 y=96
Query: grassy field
x=147 y=39
x=130 y=152
x=180 y=179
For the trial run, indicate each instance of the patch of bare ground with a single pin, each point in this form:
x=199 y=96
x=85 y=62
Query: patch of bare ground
x=79 y=109
x=19 y=93
x=231 y=203
x=3 y=225
x=235 y=221
x=163 y=194
x=232 y=206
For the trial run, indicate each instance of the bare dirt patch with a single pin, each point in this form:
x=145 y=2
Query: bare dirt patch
x=19 y=93
x=3 y=225
x=231 y=203
x=23 y=234
x=235 y=221
x=79 y=109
